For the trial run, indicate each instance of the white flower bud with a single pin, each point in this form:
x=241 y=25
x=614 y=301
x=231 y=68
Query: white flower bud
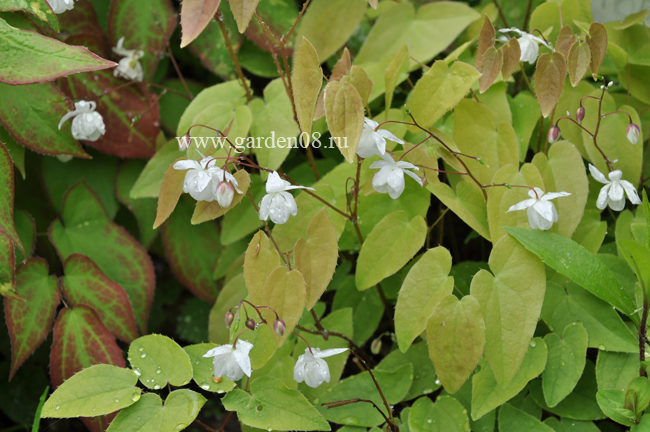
x=87 y=124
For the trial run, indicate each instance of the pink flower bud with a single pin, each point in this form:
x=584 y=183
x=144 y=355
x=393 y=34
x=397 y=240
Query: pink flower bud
x=553 y=134
x=229 y=318
x=225 y=194
x=580 y=114
x=632 y=133
x=250 y=323
x=279 y=326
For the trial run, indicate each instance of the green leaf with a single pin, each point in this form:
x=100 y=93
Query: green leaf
x=271 y=405
x=15 y=150
x=156 y=22
x=487 y=394
x=566 y=361
x=261 y=259
x=192 y=251
x=285 y=292
x=510 y=308
x=233 y=291
x=511 y=418
x=376 y=261
x=31 y=114
x=159 y=360
x=342 y=16
x=120 y=257
x=564 y=305
x=345 y=115
x=440 y=89
x=614 y=371
x=425 y=285
x=307 y=79
x=424 y=374
x=242 y=220
x=148 y=183
x=7 y=224
x=29 y=57
x=29 y=318
x=456 y=338
x=180 y=409
x=394 y=383
x=36 y=8
x=80 y=340
x=612 y=402
x=144 y=210
x=97 y=390
x=575 y=262
x=525 y=116
x=446 y=415
x=85 y=284
x=637 y=256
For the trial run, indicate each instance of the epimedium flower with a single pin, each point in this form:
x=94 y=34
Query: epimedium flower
x=540 y=210
x=226 y=188
x=632 y=133
x=312 y=369
x=278 y=204
x=87 y=124
x=128 y=67
x=373 y=142
x=528 y=44
x=202 y=178
x=390 y=177
x=614 y=191
x=60 y=6
x=230 y=361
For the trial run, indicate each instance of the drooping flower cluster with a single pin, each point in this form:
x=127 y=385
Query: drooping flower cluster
x=87 y=124
x=528 y=44
x=278 y=204
x=205 y=181
x=60 y=6
x=312 y=369
x=540 y=210
x=614 y=191
x=129 y=66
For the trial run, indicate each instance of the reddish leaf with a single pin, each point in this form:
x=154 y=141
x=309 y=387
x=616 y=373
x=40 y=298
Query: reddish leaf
x=7 y=225
x=86 y=230
x=29 y=318
x=31 y=114
x=486 y=41
x=565 y=40
x=156 y=20
x=195 y=16
x=131 y=116
x=30 y=57
x=549 y=80
x=597 y=41
x=7 y=265
x=80 y=27
x=84 y=284
x=192 y=251
x=490 y=66
x=511 y=54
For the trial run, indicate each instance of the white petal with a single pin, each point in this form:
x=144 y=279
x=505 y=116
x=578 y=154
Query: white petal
x=389 y=135
x=223 y=349
x=631 y=192
x=601 y=202
x=264 y=207
x=617 y=205
x=537 y=221
x=329 y=352
x=597 y=175
x=274 y=183
x=545 y=209
x=414 y=176
x=378 y=164
x=616 y=191
x=552 y=195
x=522 y=205
x=370 y=123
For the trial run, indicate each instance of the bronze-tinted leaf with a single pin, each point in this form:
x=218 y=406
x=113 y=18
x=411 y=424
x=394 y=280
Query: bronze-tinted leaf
x=597 y=40
x=485 y=41
x=565 y=40
x=206 y=211
x=342 y=66
x=549 y=80
x=361 y=81
x=579 y=61
x=344 y=113
x=511 y=56
x=170 y=191
x=195 y=16
x=490 y=66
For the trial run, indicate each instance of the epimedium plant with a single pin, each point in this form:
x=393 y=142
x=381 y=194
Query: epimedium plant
x=298 y=191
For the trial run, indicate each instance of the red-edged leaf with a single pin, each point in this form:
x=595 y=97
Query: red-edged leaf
x=39 y=9
x=29 y=318
x=195 y=16
x=7 y=265
x=86 y=230
x=144 y=209
x=7 y=225
x=29 y=57
x=131 y=116
x=192 y=251
x=156 y=20
x=31 y=114
x=80 y=27
x=84 y=284
x=80 y=340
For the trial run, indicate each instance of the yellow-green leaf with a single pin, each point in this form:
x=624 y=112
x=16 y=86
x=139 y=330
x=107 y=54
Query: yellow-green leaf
x=397 y=67
x=315 y=256
x=171 y=189
x=285 y=292
x=389 y=246
x=259 y=261
x=344 y=114
x=206 y=211
x=360 y=80
x=243 y=11
x=306 y=78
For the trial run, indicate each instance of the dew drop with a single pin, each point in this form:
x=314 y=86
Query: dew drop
x=57 y=407
x=116 y=400
x=601 y=347
x=429 y=421
x=156 y=387
x=205 y=387
x=143 y=355
x=259 y=408
x=141 y=349
x=135 y=397
x=180 y=426
x=158 y=371
x=137 y=372
x=533 y=344
x=437 y=382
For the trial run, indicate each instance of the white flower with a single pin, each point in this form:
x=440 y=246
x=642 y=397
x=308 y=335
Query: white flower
x=390 y=177
x=202 y=178
x=373 y=142
x=312 y=369
x=87 y=124
x=231 y=362
x=632 y=133
x=226 y=188
x=60 y=6
x=613 y=193
x=129 y=67
x=528 y=44
x=541 y=212
x=278 y=204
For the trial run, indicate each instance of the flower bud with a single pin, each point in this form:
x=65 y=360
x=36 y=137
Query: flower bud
x=580 y=114
x=632 y=133
x=375 y=346
x=229 y=318
x=225 y=193
x=279 y=326
x=553 y=134
x=250 y=323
